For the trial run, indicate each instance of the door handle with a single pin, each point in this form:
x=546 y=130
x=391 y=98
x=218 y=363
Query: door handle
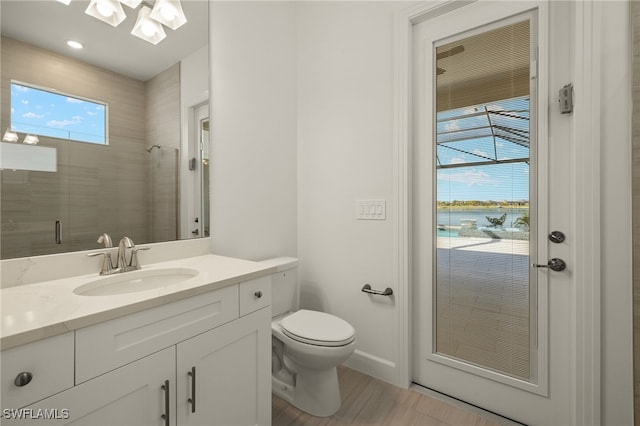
x=554 y=264
x=58 y=232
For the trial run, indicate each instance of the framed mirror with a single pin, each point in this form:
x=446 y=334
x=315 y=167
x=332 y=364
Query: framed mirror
x=134 y=174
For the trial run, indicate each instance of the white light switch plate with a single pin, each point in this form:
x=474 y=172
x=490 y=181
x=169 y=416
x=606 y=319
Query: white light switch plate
x=371 y=209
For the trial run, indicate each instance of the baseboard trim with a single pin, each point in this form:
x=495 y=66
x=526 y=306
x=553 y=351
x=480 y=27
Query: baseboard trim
x=374 y=366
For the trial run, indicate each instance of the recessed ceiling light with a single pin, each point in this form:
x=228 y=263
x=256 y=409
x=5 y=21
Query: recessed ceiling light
x=74 y=44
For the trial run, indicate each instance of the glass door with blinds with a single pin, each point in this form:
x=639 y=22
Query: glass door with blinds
x=483 y=188
x=483 y=199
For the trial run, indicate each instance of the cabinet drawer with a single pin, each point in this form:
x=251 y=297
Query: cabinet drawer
x=127 y=396
x=106 y=346
x=50 y=363
x=255 y=294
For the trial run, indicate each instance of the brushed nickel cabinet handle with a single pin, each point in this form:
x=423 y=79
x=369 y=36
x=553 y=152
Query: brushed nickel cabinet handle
x=167 y=402
x=192 y=400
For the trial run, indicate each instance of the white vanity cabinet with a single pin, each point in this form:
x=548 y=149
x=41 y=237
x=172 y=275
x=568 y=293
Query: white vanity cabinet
x=130 y=395
x=139 y=369
x=221 y=378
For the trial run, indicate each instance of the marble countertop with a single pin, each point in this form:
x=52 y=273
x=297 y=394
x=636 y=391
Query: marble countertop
x=36 y=311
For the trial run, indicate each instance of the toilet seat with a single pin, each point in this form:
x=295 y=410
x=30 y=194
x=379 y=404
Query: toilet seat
x=317 y=328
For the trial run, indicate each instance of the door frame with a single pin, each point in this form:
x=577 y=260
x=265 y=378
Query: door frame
x=585 y=181
x=188 y=179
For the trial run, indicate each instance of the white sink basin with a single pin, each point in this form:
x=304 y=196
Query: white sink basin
x=131 y=282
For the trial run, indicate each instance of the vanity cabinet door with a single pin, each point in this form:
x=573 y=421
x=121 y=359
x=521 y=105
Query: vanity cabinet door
x=130 y=395
x=232 y=374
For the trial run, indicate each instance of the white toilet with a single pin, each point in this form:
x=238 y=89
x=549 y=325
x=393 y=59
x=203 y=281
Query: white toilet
x=307 y=346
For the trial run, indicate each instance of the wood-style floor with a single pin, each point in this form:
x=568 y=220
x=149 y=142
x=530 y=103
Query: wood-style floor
x=368 y=401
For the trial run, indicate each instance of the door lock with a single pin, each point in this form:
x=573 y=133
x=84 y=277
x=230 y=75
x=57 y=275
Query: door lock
x=557 y=237
x=554 y=264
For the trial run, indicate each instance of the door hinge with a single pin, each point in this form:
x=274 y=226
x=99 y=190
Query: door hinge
x=565 y=97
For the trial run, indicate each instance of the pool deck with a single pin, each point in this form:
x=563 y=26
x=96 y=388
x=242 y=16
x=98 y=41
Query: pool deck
x=518 y=247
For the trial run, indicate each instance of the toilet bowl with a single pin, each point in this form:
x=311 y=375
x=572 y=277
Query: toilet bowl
x=307 y=346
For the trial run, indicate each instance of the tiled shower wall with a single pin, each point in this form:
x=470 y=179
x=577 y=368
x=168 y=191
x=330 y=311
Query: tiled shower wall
x=97 y=188
x=163 y=128
x=635 y=25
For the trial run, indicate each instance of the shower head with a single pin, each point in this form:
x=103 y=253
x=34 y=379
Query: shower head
x=150 y=148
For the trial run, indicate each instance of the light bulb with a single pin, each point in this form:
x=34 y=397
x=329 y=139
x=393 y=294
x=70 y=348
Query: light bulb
x=104 y=9
x=168 y=12
x=148 y=29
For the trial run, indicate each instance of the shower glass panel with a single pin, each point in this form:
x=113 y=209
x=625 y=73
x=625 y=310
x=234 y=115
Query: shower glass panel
x=163 y=194
x=483 y=286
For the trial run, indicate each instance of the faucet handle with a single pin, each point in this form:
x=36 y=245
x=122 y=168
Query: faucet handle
x=126 y=242
x=107 y=265
x=105 y=239
x=135 y=264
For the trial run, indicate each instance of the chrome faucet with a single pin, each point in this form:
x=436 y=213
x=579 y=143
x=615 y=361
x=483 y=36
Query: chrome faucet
x=122 y=264
x=125 y=243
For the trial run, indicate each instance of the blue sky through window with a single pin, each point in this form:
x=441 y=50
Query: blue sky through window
x=46 y=113
x=496 y=132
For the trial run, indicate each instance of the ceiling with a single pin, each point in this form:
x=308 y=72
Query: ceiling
x=489 y=66
x=49 y=24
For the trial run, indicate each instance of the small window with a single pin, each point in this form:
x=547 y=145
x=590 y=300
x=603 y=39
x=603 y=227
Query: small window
x=50 y=113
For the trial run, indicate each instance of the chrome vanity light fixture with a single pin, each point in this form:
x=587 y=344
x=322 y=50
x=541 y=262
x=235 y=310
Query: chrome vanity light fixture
x=169 y=13
x=146 y=28
x=131 y=3
x=109 y=11
x=10 y=136
x=149 y=24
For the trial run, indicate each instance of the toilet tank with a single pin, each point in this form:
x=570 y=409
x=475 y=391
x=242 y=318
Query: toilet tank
x=285 y=295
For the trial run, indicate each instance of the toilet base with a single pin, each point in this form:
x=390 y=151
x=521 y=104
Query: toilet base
x=314 y=392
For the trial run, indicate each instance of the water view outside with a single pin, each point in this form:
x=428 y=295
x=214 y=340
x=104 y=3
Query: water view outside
x=455 y=218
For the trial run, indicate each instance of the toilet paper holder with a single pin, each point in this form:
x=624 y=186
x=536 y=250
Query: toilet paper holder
x=367 y=289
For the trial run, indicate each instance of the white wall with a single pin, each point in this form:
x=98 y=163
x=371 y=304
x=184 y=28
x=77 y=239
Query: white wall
x=194 y=78
x=345 y=152
x=253 y=129
x=303 y=126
